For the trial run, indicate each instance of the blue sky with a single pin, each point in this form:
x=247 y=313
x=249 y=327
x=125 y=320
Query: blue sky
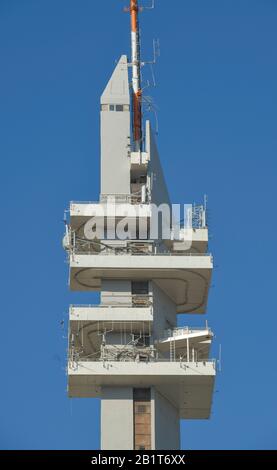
x=217 y=99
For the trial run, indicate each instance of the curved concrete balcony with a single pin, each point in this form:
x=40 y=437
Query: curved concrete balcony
x=110 y=313
x=188 y=385
x=184 y=278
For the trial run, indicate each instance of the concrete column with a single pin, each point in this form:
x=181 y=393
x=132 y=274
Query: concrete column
x=117 y=423
x=165 y=423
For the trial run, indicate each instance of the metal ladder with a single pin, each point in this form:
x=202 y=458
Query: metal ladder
x=172 y=351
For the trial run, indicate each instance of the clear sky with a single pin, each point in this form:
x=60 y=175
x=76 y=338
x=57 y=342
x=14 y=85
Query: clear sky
x=217 y=107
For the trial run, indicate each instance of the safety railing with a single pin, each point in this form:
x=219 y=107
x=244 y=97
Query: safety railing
x=183 y=362
x=131 y=249
x=120 y=301
x=195 y=215
x=113 y=198
x=175 y=332
x=130 y=253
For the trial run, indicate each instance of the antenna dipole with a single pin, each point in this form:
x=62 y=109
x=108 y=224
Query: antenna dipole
x=136 y=74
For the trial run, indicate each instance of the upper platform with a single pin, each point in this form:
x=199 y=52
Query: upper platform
x=81 y=213
x=184 y=278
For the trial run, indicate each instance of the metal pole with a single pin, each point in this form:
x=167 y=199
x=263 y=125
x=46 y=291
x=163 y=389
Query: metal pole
x=136 y=74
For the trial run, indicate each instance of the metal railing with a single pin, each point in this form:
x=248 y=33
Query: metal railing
x=107 y=198
x=136 y=353
x=183 y=362
x=198 y=217
x=134 y=198
x=172 y=333
x=134 y=301
x=135 y=252
x=114 y=198
x=196 y=214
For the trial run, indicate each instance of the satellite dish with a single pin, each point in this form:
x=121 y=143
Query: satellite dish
x=66 y=242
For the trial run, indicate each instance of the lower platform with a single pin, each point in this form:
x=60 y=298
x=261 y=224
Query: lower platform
x=187 y=385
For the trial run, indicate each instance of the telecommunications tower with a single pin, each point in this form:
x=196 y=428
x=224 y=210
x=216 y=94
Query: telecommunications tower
x=129 y=350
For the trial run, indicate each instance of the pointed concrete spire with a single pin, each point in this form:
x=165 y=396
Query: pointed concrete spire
x=117 y=90
x=159 y=193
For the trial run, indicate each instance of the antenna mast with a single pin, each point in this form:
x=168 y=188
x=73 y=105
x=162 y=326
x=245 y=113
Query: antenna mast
x=136 y=74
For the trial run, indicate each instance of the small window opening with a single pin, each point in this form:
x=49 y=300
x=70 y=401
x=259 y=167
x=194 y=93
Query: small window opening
x=140 y=287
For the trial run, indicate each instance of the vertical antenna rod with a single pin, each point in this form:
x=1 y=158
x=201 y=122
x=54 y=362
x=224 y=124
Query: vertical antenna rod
x=136 y=74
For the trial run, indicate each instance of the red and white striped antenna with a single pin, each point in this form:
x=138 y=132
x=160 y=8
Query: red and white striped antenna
x=136 y=74
x=136 y=65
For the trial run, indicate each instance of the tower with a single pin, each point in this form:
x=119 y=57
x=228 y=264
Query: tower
x=128 y=350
